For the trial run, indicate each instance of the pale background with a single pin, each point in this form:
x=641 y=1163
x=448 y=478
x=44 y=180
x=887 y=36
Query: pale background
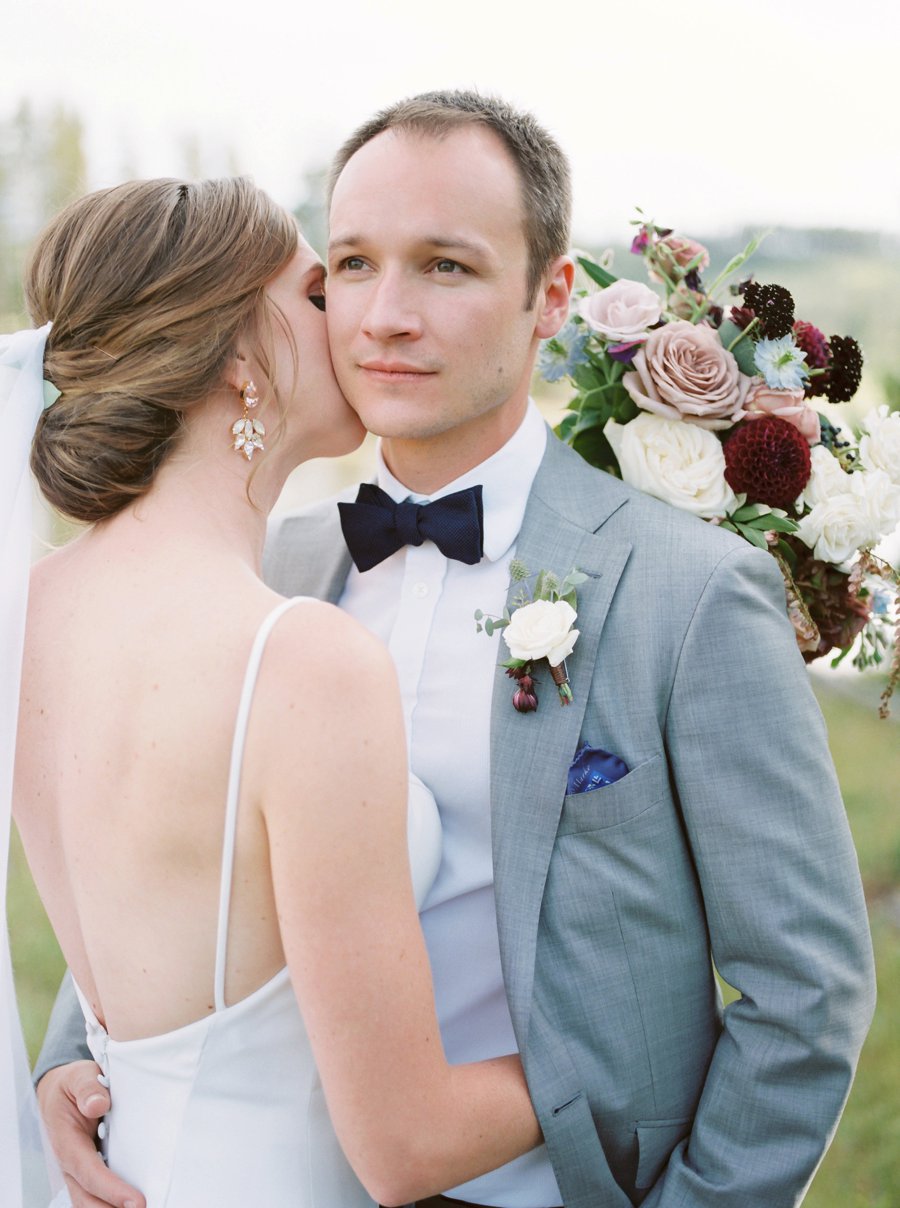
x=711 y=116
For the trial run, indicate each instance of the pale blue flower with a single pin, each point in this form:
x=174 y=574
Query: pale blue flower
x=563 y=353
x=781 y=363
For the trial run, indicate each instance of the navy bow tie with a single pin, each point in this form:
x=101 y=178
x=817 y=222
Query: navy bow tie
x=376 y=527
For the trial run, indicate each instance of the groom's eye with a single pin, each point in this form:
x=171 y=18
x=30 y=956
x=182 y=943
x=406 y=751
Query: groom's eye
x=445 y=265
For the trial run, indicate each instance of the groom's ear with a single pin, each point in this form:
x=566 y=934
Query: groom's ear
x=552 y=303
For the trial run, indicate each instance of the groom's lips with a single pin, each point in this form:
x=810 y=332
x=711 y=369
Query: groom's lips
x=395 y=371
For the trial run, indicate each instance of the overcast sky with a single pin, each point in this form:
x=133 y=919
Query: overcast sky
x=707 y=113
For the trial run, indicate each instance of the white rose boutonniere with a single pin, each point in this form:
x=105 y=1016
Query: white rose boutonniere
x=540 y=627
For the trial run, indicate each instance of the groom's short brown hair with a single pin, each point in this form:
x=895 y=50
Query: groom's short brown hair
x=542 y=166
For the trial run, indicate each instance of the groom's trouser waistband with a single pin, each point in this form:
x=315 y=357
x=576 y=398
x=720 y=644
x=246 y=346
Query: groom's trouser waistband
x=441 y=1201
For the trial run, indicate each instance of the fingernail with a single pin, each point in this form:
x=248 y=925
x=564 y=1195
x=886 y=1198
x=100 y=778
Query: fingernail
x=130 y=1204
x=94 y=1101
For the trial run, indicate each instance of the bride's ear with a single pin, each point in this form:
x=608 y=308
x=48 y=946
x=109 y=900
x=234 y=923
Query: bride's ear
x=237 y=372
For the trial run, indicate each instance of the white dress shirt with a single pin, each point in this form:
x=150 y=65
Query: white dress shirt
x=422 y=605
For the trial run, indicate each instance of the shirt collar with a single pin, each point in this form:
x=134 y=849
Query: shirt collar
x=506 y=478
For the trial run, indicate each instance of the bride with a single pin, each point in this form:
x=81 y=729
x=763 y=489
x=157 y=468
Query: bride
x=210 y=781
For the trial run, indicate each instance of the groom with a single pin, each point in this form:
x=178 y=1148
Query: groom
x=579 y=928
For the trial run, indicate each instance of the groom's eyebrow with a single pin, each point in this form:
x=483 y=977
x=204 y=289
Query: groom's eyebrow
x=438 y=241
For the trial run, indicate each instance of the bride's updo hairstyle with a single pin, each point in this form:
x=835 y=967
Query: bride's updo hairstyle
x=150 y=286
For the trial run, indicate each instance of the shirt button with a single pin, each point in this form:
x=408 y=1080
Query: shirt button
x=420 y=591
x=102 y=1130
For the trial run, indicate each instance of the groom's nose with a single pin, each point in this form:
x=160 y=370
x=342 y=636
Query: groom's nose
x=390 y=308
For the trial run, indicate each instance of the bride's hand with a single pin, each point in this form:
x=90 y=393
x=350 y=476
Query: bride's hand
x=72 y=1101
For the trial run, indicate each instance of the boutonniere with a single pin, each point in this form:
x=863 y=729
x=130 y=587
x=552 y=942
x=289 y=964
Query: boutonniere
x=539 y=627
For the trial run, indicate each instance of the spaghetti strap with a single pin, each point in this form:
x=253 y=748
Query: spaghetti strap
x=234 y=789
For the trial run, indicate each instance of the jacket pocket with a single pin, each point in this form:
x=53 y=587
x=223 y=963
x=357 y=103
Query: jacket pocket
x=656 y=1140
x=617 y=802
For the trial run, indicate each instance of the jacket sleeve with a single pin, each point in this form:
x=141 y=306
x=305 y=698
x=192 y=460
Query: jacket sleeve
x=782 y=894
x=65 y=1040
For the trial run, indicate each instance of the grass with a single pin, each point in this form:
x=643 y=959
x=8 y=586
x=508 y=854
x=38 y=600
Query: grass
x=862 y=1168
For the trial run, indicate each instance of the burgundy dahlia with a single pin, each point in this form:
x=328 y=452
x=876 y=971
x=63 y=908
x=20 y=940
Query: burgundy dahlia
x=769 y=460
x=811 y=341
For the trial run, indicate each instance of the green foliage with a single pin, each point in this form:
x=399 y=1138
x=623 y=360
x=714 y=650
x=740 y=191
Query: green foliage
x=596 y=273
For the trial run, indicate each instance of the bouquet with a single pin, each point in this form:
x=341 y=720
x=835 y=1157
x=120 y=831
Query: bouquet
x=709 y=398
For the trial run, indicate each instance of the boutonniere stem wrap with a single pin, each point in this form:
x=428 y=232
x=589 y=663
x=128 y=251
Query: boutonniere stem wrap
x=540 y=626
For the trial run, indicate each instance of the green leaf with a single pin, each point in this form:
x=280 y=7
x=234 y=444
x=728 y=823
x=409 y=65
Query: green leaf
x=747 y=512
x=573 y=579
x=570 y=598
x=782 y=524
x=587 y=378
x=741 y=347
x=596 y=450
x=596 y=273
x=566 y=426
x=489 y=628
x=753 y=536
x=478 y=614
x=479 y=628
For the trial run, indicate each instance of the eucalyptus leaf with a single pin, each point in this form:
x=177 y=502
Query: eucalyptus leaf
x=478 y=614
x=489 y=628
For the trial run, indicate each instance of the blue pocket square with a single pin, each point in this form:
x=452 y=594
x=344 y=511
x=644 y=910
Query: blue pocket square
x=592 y=768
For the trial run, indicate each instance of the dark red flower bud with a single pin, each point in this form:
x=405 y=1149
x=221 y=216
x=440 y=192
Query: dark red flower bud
x=525 y=702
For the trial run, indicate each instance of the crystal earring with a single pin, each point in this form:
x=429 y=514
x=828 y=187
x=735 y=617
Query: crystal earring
x=247 y=432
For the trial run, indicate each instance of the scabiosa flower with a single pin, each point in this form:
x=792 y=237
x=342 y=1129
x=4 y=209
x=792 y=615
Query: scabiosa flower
x=773 y=306
x=811 y=341
x=768 y=460
x=845 y=371
x=563 y=353
x=781 y=363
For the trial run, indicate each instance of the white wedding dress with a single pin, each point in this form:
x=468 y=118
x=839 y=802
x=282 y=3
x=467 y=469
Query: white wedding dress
x=228 y=1111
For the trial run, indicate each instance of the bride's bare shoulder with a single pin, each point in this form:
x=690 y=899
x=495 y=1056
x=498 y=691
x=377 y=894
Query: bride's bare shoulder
x=319 y=637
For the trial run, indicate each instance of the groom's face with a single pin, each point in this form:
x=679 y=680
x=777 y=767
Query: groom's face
x=426 y=291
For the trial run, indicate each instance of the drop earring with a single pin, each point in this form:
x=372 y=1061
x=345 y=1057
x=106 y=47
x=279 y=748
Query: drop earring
x=247 y=432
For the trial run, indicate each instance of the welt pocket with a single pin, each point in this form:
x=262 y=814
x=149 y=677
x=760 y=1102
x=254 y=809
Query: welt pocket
x=656 y=1140
x=615 y=803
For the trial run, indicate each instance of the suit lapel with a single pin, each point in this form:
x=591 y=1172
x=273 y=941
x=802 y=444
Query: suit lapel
x=531 y=753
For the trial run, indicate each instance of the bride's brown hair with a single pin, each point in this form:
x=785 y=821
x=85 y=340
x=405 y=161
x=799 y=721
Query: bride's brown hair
x=150 y=286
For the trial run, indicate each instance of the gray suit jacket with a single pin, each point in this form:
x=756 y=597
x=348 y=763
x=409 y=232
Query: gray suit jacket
x=726 y=841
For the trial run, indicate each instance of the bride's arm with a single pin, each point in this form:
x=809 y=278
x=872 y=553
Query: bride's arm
x=328 y=751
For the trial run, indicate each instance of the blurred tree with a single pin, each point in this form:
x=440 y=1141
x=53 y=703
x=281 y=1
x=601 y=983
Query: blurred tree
x=42 y=167
x=890 y=384
x=311 y=212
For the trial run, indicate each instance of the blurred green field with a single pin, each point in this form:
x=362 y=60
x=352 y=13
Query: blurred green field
x=862 y=1169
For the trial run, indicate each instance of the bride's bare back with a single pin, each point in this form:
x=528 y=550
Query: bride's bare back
x=131 y=681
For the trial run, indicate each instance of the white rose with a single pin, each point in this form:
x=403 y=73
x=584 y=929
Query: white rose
x=879 y=446
x=622 y=312
x=865 y=511
x=826 y=478
x=679 y=463
x=879 y=503
x=542 y=630
x=834 y=529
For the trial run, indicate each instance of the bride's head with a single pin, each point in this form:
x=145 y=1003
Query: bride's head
x=165 y=296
